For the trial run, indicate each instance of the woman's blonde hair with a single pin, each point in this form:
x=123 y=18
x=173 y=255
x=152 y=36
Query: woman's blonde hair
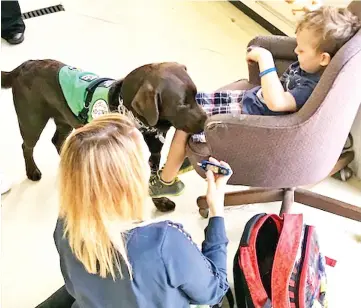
x=102 y=178
x=332 y=26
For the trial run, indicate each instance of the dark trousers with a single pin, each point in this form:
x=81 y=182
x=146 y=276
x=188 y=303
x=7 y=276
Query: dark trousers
x=60 y=299
x=11 y=20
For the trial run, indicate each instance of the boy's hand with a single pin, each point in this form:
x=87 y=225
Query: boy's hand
x=274 y=95
x=257 y=54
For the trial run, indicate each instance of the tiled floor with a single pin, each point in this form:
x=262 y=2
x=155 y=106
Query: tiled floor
x=111 y=38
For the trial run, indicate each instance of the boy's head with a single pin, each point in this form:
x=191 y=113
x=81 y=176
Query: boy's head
x=321 y=33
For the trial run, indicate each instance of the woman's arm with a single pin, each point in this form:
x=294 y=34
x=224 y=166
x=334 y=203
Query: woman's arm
x=202 y=276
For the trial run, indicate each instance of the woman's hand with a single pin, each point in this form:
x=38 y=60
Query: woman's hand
x=256 y=54
x=216 y=189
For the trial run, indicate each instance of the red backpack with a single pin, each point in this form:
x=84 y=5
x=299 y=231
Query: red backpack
x=279 y=264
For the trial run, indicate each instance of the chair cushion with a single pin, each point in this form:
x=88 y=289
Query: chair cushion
x=355 y=8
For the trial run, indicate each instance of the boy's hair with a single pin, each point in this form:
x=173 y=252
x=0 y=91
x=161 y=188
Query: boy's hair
x=332 y=26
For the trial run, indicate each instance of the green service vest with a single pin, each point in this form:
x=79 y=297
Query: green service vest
x=73 y=82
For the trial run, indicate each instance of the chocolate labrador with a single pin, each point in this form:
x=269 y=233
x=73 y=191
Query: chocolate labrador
x=159 y=95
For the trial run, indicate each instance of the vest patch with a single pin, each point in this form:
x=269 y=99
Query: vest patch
x=74 y=82
x=89 y=77
x=100 y=107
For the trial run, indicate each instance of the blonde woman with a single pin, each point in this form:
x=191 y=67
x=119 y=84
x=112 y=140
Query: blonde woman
x=110 y=256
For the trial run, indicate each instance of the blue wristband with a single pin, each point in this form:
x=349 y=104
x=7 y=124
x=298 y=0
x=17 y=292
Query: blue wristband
x=265 y=72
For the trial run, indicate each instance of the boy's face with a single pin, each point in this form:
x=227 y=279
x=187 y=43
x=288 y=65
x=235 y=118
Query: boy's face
x=311 y=60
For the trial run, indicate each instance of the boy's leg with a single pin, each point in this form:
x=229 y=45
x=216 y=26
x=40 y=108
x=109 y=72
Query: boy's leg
x=166 y=183
x=219 y=102
x=176 y=156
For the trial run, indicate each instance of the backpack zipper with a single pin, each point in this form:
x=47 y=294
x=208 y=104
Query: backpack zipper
x=304 y=247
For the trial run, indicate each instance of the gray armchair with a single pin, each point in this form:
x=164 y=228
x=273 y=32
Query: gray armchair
x=282 y=153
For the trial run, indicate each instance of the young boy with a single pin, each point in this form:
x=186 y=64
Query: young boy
x=320 y=34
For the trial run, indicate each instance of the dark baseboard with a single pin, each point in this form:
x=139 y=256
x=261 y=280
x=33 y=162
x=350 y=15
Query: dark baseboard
x=257 y=18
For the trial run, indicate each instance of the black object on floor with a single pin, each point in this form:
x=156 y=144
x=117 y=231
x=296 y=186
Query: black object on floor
x=60 y=299
x=44 y=11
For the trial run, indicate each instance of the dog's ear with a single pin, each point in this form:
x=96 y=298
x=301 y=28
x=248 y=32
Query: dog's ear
x=145 y=103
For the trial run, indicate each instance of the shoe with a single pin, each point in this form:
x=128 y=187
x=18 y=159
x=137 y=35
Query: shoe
x=186 y=166
x=159 y=189
x=15 y=39
x=4 y=184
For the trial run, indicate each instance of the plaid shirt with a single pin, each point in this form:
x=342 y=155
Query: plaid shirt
x=223 y=102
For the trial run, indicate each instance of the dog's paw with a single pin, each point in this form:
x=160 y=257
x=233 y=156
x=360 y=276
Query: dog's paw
x=164 y=204
x=35 y=175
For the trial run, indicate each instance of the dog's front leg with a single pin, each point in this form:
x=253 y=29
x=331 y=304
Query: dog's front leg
x=155 y=148
x=154 y=162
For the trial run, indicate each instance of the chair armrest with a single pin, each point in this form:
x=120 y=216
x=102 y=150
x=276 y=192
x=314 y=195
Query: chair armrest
x=242 y=84
x=282 y=49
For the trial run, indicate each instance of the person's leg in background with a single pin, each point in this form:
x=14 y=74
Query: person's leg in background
x=12 y=24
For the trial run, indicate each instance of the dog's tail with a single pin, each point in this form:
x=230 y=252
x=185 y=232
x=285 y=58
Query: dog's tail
x=8 y=77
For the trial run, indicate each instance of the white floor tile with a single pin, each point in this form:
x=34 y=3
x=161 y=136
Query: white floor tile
x=31 y=5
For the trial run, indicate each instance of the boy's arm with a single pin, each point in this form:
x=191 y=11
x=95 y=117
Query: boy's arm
x=275 y=97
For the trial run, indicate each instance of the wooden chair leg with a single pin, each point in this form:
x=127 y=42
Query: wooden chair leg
x=256 y=195
x=288 y=199
x=327 y=204
x=343 y=161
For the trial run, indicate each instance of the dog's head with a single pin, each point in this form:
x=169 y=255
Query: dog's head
x=163 y=92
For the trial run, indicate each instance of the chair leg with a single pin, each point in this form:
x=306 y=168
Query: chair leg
x=327 y=204
x=343 y=161
x=288 y=196
x=288 y=199
x=256 y=195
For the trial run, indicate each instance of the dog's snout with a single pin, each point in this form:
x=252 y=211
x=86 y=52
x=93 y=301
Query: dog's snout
x=203 y=119
x=198 y=124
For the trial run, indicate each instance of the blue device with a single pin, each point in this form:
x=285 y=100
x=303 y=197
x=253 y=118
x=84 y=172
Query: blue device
x=215 y=168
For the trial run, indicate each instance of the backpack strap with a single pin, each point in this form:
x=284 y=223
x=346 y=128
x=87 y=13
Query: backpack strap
x=330 y=262
x=230 y=299
x=248 y=260
x=268 y=304
x=285 y=256
x=246 y=235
